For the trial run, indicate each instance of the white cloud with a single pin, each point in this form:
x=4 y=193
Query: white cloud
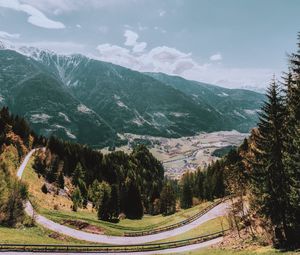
x=139 y=47
x=53 y=6
x=6 y=35
x=158 y=59
x=57 y=46
x=78 y=26
x=117 y=55
x=36 y=17
x=58 y=7
x=131 y=40
x=216 y=57
x=251 y=78
x=175 y=62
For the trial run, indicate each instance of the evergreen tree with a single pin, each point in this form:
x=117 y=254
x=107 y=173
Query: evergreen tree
x=133 y=207
x=114 y=202
x=292 y=145
x=14 y=208
x=269 y=178
x=186 y=199
x=78 y=174
x=61 y=180
x=84 y=192
x=167 y=200
x=199 y=184
x=104 y=201
x=94 y=193
x=52 y=171
x=76 y=199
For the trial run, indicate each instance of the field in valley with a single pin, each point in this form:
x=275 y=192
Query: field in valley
x=186 y=153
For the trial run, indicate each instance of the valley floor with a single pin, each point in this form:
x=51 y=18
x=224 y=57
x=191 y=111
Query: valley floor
x=185 y=153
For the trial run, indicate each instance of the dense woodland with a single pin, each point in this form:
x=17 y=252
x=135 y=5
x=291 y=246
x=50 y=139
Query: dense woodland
x=266 y=167
x=15 y=139
x=115 y=182
x=133 y=184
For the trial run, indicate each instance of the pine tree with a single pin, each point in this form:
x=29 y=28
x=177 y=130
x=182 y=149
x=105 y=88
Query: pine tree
x=269 y=178
x=114 y=202
x=167 y=200
x=199 y=184
x=61 y=180
x=134 y=207
x=104 y=201
x=84 y=192
x=14 y=208
x=186 y=198
x=78 y=174
x=94 y=193
x=77 y=199
x=292 y=143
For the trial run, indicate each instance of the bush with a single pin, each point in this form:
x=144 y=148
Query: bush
x=44 y=189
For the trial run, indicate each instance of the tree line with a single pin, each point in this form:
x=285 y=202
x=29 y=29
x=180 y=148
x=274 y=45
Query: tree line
x=114 y=182
x=266 y=167
x=15 y=138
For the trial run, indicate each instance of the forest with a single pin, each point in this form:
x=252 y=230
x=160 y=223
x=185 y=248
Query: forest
x=264 y=171
x=132 y=184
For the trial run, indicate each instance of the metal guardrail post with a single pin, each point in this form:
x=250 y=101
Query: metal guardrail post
x=110 y=248
x=182 y=223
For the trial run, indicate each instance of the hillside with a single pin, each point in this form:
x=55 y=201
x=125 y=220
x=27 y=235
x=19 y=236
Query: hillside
x=238 y=107
x=90 y=101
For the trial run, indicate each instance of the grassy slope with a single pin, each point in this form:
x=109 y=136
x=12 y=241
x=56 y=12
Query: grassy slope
x=255 y=251
x=148 y=222
x=46 y=202
x=35 y=184
x=38 y=235
x=33 y=235
x=206 y=228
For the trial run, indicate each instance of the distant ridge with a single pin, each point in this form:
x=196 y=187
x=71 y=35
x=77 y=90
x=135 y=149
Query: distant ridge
x=90 y=101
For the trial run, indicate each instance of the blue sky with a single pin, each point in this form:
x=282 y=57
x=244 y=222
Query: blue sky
x=233 y=43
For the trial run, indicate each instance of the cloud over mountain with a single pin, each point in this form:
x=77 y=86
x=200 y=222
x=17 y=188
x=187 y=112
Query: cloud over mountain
x=36 y=17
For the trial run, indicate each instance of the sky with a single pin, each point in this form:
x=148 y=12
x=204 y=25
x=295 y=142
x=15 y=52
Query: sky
x=232 y=43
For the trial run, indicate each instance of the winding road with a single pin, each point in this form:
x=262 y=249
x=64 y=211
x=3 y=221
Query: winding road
x=184 y=249
x=219 y=210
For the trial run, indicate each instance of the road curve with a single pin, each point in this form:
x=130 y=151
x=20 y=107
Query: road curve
x=219 y=210
x=186 y=248
x=24 y=164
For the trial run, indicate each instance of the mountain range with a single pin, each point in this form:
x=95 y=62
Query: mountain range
x=90 y=101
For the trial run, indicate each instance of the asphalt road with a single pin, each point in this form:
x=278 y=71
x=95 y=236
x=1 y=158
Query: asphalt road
x=217 y=211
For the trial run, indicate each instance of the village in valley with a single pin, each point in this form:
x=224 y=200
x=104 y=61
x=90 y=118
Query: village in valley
x=179 y=155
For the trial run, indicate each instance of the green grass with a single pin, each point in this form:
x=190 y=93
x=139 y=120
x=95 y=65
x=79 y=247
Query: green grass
x=151 y=222
x=38 y=235
x=254 y=251
x=36 y=195
x=209 y=227
x=45 y=204
x=33 y=235
x=126 y=225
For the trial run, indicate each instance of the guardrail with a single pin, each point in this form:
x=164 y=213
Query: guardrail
x=110 y=248
x=178 y=224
